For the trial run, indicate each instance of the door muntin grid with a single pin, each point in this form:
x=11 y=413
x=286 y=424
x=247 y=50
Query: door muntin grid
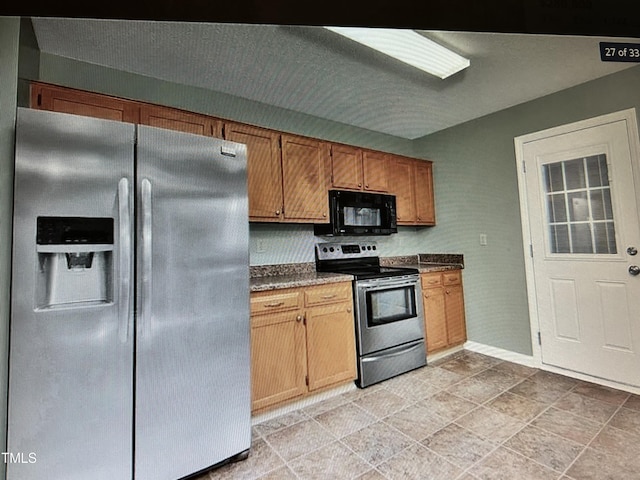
x=578 y=206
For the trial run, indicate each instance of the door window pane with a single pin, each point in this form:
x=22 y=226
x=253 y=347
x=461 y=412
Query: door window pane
x=579 y=210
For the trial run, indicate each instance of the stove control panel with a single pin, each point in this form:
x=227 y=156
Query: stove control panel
x=340 y=251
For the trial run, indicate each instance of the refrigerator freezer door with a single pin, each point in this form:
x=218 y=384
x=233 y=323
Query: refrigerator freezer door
x=192 y=353
x=71 y=355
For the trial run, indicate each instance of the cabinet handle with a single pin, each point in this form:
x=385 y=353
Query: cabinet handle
x=299 y=318
x=327 y=297
x=272 y=305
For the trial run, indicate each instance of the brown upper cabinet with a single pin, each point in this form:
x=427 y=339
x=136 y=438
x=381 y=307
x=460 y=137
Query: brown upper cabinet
x=413 y=187
x=357 y=169
x=264 y=170
x=288 y=175
x=78 y=102
x=305 y=179
x=181 y=120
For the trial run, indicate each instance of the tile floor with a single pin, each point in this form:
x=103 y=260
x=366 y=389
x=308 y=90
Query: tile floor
x=467 y=417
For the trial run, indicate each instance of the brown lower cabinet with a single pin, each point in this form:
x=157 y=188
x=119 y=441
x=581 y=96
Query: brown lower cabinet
x=443 y=310
x=302 y=341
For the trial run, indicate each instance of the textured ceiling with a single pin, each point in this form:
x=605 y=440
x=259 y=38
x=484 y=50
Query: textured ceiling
x=315 y=71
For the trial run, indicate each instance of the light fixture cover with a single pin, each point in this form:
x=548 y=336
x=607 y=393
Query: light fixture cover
x=407 y=46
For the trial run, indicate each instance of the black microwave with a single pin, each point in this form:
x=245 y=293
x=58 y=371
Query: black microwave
x=359 y=213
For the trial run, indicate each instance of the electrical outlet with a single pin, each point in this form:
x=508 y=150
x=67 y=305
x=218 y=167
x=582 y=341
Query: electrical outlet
x=483 y=239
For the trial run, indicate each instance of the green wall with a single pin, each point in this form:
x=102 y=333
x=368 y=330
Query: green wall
x=476 y=192
x=9 y=41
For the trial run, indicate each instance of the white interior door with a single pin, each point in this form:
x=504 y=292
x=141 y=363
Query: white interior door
x=582 y=204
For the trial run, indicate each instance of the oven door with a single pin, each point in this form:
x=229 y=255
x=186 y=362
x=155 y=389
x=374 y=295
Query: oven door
x=388 y=312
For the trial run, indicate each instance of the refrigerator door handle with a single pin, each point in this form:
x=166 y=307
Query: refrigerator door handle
x=145 y=313
x=124 y=227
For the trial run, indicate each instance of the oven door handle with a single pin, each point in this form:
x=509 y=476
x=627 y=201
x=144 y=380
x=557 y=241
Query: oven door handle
x=393 y=352
x=387 y=282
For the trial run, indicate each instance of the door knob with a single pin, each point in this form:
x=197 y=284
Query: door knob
x=634 y=270
x=632 y=251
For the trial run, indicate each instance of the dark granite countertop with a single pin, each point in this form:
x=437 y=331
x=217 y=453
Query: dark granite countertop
x=426 y=262
x=289 y=275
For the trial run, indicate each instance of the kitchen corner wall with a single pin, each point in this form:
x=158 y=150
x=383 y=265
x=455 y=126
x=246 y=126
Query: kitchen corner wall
x=9 y=44
x=477 y=193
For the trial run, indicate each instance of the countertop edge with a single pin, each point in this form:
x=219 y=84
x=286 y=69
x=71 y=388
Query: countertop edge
x=278 y=282
x=306 y=279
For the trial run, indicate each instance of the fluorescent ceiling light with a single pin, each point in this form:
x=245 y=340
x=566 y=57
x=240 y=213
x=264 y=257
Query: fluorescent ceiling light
x=409 y=47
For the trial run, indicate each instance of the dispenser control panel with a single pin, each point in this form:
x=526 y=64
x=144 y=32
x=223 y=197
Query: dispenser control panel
x=74 y=230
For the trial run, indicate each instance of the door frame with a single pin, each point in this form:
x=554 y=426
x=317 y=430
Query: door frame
x=630 y=117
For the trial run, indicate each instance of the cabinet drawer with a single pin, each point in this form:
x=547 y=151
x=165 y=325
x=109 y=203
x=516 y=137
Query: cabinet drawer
x=274 y=302
x=451 y=278
x=338 y=292
x=431 y=280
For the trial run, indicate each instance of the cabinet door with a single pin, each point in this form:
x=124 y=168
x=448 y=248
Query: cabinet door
x=331 y=348
x=264 y=170
x=403 y=172
x=180 y=120
x=375 y=166
x=454 y=304
x=305 y=179
x=77 y=102
x=278 y=361
x=346 y=167
x=425 y=207
x=435 y=318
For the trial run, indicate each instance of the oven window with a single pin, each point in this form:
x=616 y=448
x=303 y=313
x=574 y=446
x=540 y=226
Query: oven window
x=362 y=217
x=390 y=305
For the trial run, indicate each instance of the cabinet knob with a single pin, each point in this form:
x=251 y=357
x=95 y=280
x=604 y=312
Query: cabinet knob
x=366 y=186
x=447 y=292
x=359 y=184
x=349 y=309
x=299 y=318
x=324 y=214
x=277 y=212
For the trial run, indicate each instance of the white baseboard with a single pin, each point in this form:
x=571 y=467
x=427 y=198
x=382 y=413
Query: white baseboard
x=302 y=403
x=530 y=361
x=434 y=357
x=507 y=355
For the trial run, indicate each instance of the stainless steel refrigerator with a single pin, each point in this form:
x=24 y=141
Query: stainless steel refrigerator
x=129 y=343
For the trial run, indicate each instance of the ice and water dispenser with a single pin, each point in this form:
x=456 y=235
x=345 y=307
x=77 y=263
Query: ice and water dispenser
x=75 y=258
